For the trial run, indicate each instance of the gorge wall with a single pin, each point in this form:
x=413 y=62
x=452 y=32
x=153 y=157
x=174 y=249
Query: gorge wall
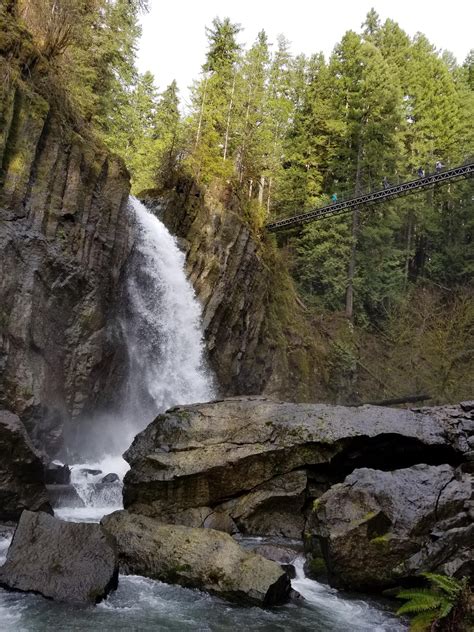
x=257 y=336
x=64 y=238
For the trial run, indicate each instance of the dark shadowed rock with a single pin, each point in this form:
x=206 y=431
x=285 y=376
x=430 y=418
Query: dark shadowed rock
x=110 y=478
x=378 y=528
x=56 y=474
x=196 y=558
x=21 y=471
x=260 y=461
x=90 y=472
x=64 y=496
x=66 y=561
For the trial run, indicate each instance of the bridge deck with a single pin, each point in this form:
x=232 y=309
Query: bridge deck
x=374 y=197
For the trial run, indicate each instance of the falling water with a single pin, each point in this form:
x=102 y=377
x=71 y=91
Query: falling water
x=162 y=326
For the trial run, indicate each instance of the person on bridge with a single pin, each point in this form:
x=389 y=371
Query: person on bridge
x=334 y=197
x=421 y=172
x=385 y=182
x=439 y=166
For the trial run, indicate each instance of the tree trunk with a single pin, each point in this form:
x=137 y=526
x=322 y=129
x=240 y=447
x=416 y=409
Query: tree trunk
x=408 y=248
x=201 y=113
x=250 y=188
x=231 y=103
x=261 y=187
x=354 y=232
x=269 y=195
x=351 y=268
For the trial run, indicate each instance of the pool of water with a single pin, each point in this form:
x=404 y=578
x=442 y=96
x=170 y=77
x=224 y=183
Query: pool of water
x=145 y=605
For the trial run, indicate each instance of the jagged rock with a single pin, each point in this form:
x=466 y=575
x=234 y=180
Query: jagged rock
x=64 y=496
x=196 y=558
x=66 y=561
x=65 y=235
x=110 y=478
x=377 y=528
x=21 y=471
x=56 y=474
x=261 y=454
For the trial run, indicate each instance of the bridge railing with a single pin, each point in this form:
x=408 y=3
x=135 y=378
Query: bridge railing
x=370 y=195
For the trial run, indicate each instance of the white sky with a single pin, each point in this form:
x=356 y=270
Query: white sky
x=173 y=43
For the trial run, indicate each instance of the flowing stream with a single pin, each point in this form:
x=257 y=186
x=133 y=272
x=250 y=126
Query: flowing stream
x=167 y=367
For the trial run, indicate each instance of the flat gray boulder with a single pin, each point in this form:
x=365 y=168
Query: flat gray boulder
x=66 y=561
x=21 y=471
x=196 y=558
x=377 y=528
x=252 y=464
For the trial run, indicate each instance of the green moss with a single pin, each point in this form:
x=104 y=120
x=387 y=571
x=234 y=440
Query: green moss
x=317 y=504
x=317 y=567
x=381 y=540
x=4 y=320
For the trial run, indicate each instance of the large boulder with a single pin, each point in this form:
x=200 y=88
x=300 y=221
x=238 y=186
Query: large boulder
x=378 y=528
x=256 y=463
x=196 y=558
x=21 y=471
x=66 y=561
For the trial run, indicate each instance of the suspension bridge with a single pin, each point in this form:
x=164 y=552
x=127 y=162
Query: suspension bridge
x=378 y=196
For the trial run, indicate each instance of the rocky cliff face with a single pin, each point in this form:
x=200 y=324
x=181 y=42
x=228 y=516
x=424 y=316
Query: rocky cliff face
x=256 y=333
x=64 y=238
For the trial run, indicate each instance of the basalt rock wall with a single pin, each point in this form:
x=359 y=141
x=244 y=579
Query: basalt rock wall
x=257 y=336
x=64 y=239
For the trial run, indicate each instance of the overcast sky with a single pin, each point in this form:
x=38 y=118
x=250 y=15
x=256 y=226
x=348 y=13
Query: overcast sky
x=173 y=44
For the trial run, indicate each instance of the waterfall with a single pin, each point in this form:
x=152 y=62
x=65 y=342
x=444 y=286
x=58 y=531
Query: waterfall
x=162 y=325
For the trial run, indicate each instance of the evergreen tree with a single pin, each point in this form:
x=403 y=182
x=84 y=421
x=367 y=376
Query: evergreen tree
x=213 y=102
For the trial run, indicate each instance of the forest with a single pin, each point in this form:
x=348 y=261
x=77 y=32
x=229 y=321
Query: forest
x=389 y=289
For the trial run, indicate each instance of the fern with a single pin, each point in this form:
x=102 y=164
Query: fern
x=449 y=585
x=431 y=605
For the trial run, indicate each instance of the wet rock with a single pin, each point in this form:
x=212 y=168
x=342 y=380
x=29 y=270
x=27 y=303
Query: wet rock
x=64 y=496
x=278 y=554
x=66 y=561
x=196 y=558
x=273 y=508
x=260 y=461
x=56 y=474
x=90 y=472
x=21 y=471
x=378 y=528
x=110 y=478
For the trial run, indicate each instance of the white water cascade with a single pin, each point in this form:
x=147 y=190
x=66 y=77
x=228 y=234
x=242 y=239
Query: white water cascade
x=163 y=324
x=161 y=327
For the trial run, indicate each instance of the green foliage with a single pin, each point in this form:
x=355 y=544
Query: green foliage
x=287 y=132
x=443 y=600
